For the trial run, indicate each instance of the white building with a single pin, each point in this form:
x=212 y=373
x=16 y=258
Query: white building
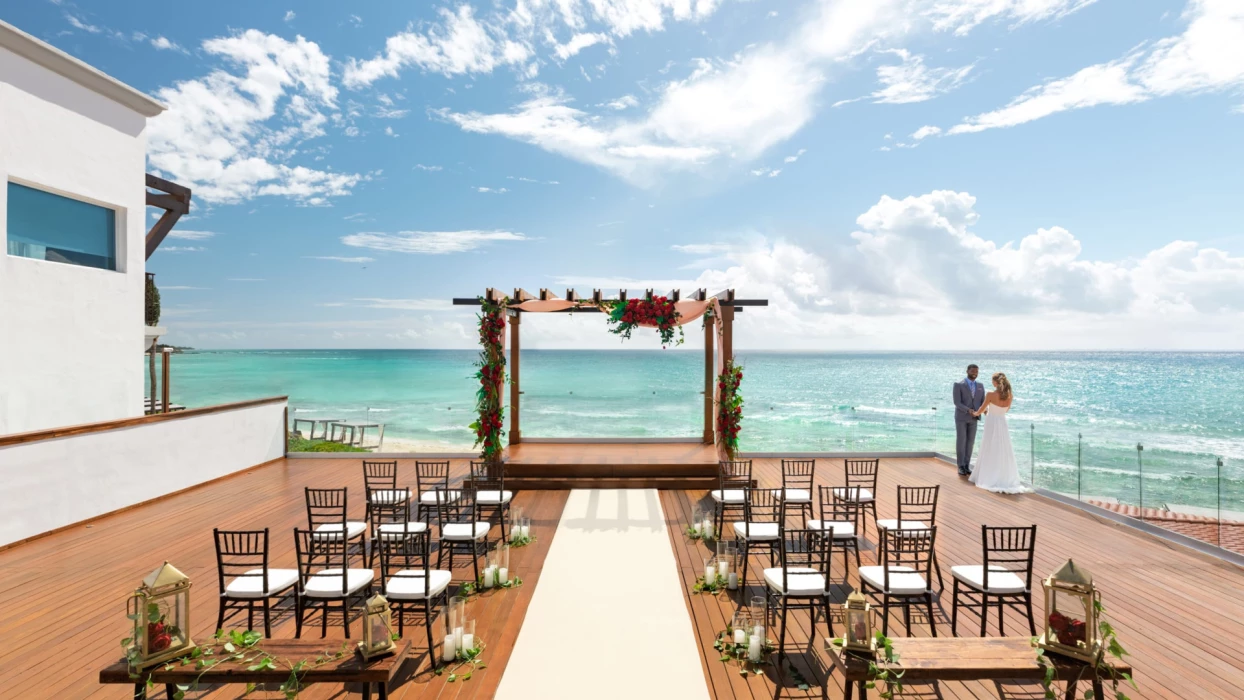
x=72 y=229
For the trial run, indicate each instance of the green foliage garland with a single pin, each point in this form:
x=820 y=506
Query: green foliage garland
x=729 y=408
x=490 y=371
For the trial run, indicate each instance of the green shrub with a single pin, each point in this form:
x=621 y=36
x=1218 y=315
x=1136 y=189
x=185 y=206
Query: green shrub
x=153 y=303
x=297 y=443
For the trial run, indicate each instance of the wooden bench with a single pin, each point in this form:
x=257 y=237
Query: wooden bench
x=349 y=669
x=967 y=659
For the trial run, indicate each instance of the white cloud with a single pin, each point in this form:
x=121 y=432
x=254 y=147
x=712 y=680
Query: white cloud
x=491 y=190
x=290 y=15
x=182 y=249
x=428 y=168
x=1207 y=57
x=792 y=159
x=388 y=131
x=224 y=134
x=767 y=172
x=79 y=23
x=356 y=20
x=912 y=81
x=190 y=235
x=407 y=304
x=430 y=242
x=623 y=102
x=703 y=248
x=459 y=44
x=338 y=258
x=961 y=16
x=577 y=43
x=728 y=109
x=923 y=132
x=532 y=180
x=165 y=44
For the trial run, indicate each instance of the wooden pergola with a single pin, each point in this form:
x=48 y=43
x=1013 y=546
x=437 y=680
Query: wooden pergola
x=727 y=302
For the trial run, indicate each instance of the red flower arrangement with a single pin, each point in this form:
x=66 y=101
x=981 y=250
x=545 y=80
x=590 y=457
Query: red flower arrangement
x=657 y=312
x=729 y=408
x=1070 y=631
x=491 y=376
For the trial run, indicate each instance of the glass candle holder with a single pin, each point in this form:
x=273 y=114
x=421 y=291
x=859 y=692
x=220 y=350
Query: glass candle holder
x=503 y=563
x=697 y=519
x=467 y=641
x=741 y=626
x=710 y=570
x=757 y=606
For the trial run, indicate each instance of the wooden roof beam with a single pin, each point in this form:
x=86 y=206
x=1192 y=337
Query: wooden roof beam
x=521 y=295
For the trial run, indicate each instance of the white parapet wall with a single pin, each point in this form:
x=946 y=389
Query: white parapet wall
x=54 y=482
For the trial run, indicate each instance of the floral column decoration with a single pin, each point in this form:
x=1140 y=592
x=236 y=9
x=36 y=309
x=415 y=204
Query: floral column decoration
x=729 y=408
x=491 y=376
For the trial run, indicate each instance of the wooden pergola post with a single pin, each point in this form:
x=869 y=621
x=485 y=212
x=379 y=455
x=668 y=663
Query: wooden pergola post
x=515 y=388
x=709 y=379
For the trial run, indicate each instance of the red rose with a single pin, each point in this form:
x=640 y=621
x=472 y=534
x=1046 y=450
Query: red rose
x=160 y=642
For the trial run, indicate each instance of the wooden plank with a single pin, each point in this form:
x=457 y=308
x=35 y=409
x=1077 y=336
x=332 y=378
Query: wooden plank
x=349 y=669
x=85 y=428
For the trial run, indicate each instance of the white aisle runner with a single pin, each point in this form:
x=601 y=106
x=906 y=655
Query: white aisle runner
x=607 y=619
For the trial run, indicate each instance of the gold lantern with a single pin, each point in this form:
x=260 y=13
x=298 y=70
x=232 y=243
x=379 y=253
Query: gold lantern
x=857 y=615
x=1071 y=604
x=377 y=628
x=160 y=610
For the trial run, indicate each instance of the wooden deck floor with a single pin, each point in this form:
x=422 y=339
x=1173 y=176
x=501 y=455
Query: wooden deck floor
x=66 y=592
x=1180 y=614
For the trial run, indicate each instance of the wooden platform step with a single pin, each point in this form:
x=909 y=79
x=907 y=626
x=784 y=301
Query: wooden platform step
x=536 y=483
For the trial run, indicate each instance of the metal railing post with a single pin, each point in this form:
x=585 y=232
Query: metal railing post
x=1079 y=466
x=1032 y=454
x=1140 y=464
x=1219 y=501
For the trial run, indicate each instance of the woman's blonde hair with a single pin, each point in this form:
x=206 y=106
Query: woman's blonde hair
x=1004 y=386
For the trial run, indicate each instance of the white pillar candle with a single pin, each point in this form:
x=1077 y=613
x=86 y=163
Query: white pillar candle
x=740 y=636
x=525 y=531
x=710 y=573
x=732 y=581
x=695 y=528
x=708 y=527
x=489 y=576
x=516 y=531
x=758 y=632
x=468 y=642
x=723 y=568
x=450 y=652
x=503 y=575
x=458 y=637
x=754 y=649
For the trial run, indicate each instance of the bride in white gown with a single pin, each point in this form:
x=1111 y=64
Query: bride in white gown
x=996 y=469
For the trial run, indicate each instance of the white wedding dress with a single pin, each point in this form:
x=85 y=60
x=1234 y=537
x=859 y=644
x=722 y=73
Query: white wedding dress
x=996 y=469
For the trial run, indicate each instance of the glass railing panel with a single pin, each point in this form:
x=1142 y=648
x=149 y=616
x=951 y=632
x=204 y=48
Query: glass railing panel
x=1230 y=496
x=1054 y=459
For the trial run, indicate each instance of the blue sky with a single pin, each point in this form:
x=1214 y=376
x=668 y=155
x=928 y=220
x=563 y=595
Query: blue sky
x=899 y=174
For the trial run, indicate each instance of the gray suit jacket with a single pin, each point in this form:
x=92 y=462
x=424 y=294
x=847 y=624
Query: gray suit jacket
x=966 y=401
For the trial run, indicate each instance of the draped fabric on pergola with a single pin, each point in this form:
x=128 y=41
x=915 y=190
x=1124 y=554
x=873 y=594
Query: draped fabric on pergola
x=718 y=335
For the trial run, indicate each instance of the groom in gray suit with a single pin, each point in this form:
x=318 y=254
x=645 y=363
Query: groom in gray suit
x=968 y=397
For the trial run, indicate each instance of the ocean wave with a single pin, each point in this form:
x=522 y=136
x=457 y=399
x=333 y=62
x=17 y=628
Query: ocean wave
x=896 y=411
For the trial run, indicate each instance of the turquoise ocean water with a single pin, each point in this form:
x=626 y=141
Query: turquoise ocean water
x=1076 y=424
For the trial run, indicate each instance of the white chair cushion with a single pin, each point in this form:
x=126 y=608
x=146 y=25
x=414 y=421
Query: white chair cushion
x=392 y=531
x=429 y=497
x=794 y=495
x=464 y=532
x=866 y=496
x=803 y=581
x=327 y=583
x=387 y=496
x=903 y=580
x=410 y=584
x=493 y=498
x=842 y=530
x=728 y=496
x=756 y=531
x=913 y=527
x=332 y=531
x=249 y=586
x=1000 y=580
